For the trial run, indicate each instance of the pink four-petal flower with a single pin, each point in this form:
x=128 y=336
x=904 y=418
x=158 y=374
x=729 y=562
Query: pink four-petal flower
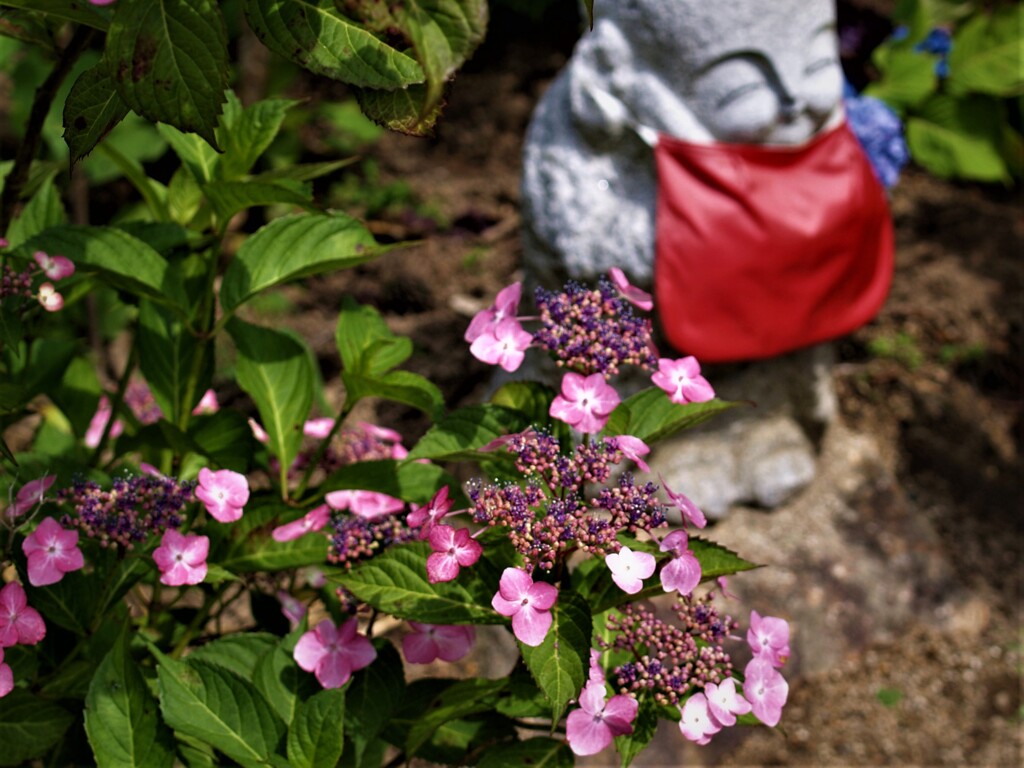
x=30 y=495
x=697 y=723
x=592 y=727
x=51 y=552
x=313 y=520
x=585 y=402
x=529 y=604
x=431 y=513
x=505 y=346
x=724 y=702
x=332 y=653
x=690 y=512
x=181 y=558
x=19 y=623
x=453 y=549
x=54 y=267
x=428 y=642
x=368 y=505
x=682 y=381
x=629 y=568
x=632 y=294
x=505 y=306
x=224 y=493
x=682 y=573
x=768 y=638
x=766 y=690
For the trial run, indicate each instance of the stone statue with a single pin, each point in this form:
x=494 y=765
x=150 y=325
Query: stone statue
x=731 y=71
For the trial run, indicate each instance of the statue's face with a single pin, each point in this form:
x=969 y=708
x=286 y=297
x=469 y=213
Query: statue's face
x=749 y=70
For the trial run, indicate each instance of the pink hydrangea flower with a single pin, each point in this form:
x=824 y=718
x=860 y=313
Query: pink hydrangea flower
x=333 y=654
x=431 y=513
x=293 y=609
x=505 y=306
x=19 y=623
x=54 y=267
x=632 y=294
x=585 y=402
x=633 y=448
x=181 y=558
x=766 y=690
x=691 y=513
x=629 y=568
x=697 y=724
x=529 y=604
x=682 y=381
x=724 y=703
x=366 y=504
x=768 y=638
x=313 y=520
x=31 y=494
x=318 y=428
x=50 y=298
x=224 y=493
x=259 y=432
x=98 y=423
x=207 y=404
x=592 y=727
x=51 y=552
x=505 y=346
x=681 y=573
x=428 y=642
x=596 y=672
x=453 y=549
x=6 y=676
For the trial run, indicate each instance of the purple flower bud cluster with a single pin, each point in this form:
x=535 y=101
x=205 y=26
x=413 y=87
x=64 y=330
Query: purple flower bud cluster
x=551 y=514
x=668 y=659
x=135 y=507
x=349 y=446
x=593 y=330
x=15 y=283
x=354 y=539
x=19 y=284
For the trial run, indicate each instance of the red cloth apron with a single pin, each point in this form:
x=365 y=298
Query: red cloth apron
x=760 y=250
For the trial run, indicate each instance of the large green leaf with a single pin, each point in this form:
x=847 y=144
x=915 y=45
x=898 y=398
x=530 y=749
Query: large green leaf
x=70 y=603
x=466 y=697
x=261 y=553
x=396 y=582
x=651 y=416
x=908 y=77
x=92 y=109
x=225 y=437
x=43 y=211
x=958 y=137
x=282 y=682
x=461 y=434
x=559 y=664
x=123 y=261
x=216 y=706
x=540 y=752
x=373 y=696
x=229 y=197
x=275 y=370
x=169 y=61
x=200 y=158
x=77 y=13
x=313 y=34
x=401 y=386
x=121 y=715
x=245 y=133
x=238 y=653
x=987 y=53
x=316 y=738
x=292 y=247
x=29 y=726
x=168 y=357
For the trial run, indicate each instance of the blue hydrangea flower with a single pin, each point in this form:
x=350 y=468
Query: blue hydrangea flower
x=939 y=41
x=880 y=132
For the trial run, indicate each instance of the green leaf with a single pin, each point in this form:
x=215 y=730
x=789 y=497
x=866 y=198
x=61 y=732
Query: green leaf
x=282 y=682
x=366 y=344
x=522 y=697
x=293 y=247
x=200 y=158
x=407 y=480
x=224 y=437
x=540 y=752
x=239 y=653
x=461 y=434
x=958 y=138
x=644 y=727
x=316 y=738
x=184 y=196
x=124 y=261
x=313 y=34
x=70 y=603
x=168 y=353
x=466 y=697
x=987 y=54
x=121 y=716
x=405 y=111
x=651 y=416
x=396 y=582
x=304 y=171
x=275 y=370
x=77 y=13
x=43 y=211
x=245 y=133
x=29 y=726
x=531 y=398
x=218 y=707
x=559 y=664
x=908 y=77
x=169 y=61
x=374 y=695
x=92 y=109
x=262 y=553
x=400 y=386
x=229 y=197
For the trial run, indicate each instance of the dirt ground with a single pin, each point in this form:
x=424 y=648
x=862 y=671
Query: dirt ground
x=919 y=491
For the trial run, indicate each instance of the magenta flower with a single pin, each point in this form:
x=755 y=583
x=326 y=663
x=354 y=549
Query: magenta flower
x=102 y=2
x=585 y=402
x=592 y=727
x=697 y=723
x=51 y=553
x=724 y=703
x=381 y=433
x=428 y=642
x=505 y=346
x=681 y=573
x=453 y=549
x=691 y=512
x=682 y=381
x=181 y=558
x=633 y=448
x=596 y=672
x=207 y=404
x=768 y=638
x=293 y=609
x=30 y=495
x=50 y=299
x=630 y=293
x=333 y=654
x=318 y=428
x=629 y=568
x=431 y=513
x=766 y=690
x=368 y=505
x=259 y=432
x=19 y=623
x=6 y=676
x=98 y=423
x=505 y=306
x=54 y=267
x=313 y=520
x=527 y=602
x=224 y=493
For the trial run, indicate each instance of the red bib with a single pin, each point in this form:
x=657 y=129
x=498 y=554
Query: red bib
x=761 y=250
